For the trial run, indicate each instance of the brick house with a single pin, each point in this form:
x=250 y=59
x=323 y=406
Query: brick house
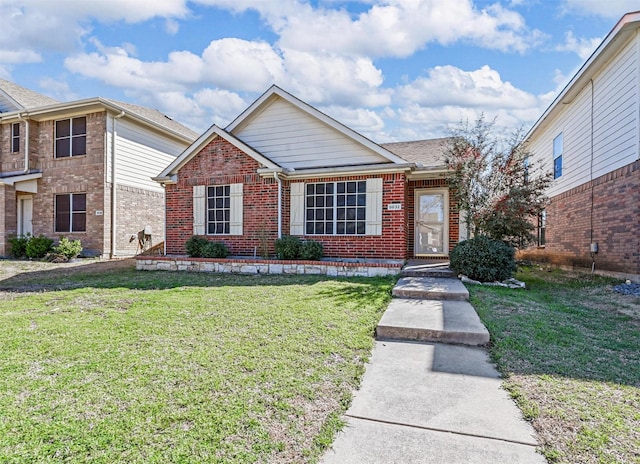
x=284 y=168
x=589 y=137
x=82 y=169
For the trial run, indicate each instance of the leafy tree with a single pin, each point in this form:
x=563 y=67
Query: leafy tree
x=497 y=188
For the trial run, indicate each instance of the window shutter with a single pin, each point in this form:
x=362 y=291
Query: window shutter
x=235 y=219
x=199 y=209
x=297 y=209
x=374 y=207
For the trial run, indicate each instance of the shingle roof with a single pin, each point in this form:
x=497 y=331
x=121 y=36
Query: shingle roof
x=428 y=153
x=157 y=117
x=24 y=97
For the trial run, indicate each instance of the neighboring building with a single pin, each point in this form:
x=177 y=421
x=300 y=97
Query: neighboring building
x=590 y=139
x=284 y=168
x=82 y=169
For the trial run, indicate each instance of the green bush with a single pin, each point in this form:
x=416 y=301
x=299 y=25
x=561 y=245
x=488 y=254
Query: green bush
x=311 y=250
x=288 y=247
x=38 y=247
x=215 y=250
x=483 y=259
x=199 y=247
x=195 y=245
x=19 y=246
x=68 y=248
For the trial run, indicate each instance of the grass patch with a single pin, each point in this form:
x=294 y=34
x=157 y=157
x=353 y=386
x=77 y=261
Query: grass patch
x=106 y=364
x=569 y=349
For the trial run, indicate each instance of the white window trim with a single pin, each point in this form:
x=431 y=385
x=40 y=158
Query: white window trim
x=15 y=138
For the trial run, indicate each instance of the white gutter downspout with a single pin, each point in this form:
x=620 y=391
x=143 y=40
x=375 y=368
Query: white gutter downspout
x=279 y=181
x=113 y=185
x=26 y=144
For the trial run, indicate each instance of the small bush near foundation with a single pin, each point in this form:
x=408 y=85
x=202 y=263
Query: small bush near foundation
x=18 y=247
x=199 y=247
x=194 y=246
x=311 y=250
x=288 y=247
x=483 y=259
x=215 y=250
x=68 y=248
x=38 y=247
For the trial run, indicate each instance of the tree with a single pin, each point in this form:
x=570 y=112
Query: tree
x=496 y=187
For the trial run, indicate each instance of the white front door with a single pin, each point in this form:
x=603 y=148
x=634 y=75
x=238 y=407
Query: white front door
x=25 y=215
x=432 y=222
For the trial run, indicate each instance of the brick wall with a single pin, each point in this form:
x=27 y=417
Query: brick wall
x=454 y=226
x=221 y=163
x=136 y=208
x=616 y=224
x=8 y=220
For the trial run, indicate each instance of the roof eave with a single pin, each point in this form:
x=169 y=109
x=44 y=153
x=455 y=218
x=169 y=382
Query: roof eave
x=386 y=168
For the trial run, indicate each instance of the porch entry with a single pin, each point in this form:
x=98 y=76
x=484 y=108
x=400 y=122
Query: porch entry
x=431 y=222
x=25 y=214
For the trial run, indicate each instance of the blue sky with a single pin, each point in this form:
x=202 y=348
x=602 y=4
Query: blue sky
x=392 y=70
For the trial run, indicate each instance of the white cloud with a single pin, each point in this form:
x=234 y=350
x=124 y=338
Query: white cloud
x=57 y=88
x=582 y=47
x=612 y=9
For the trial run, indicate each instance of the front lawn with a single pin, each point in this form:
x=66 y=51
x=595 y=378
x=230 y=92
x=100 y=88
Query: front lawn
x=100 y=363
x=569 y=347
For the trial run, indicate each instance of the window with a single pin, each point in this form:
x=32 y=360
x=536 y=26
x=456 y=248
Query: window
x=219 y=209
x=336 y=208
x=557 y=156
x=15 y=137
x=542 y=225
x=71 y=212
x=526 y=163
x=71 y=137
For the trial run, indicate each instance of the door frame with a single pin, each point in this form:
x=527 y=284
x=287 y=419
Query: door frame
x=416 y=215
x=20 y=216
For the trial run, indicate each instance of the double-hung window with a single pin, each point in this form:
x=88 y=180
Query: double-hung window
x=557 y=156
x=219 y=209
x=336 y=208
x=542 y=226
x=71 y=137
x=15 y=137
x=71 y=212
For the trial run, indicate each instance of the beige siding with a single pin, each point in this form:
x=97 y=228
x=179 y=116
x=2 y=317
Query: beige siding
x=293 y=139
x=140 y=154
x=616 y=109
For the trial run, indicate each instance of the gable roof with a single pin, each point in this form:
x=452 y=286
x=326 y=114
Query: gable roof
x=421 y=152
x=14 y=97
x=275 y=93
x=608 y=48
x=169 y=173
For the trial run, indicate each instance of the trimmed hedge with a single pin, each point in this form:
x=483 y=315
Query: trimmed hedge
x=484 y=259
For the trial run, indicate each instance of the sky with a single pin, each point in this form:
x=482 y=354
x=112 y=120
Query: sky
x=393 y=70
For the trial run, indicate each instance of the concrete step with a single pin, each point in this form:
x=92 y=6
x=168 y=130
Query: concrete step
x=432 y=288
x=432 y=321
x=422 y=269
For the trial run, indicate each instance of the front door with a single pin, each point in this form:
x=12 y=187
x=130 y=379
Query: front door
x=432 y=222
x=25 y=215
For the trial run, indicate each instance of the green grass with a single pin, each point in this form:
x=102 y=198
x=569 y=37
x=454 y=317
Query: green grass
x=569 y=347
x=125 y=366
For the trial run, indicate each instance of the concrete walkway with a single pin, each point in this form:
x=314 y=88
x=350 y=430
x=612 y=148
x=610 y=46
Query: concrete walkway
x=438 y=400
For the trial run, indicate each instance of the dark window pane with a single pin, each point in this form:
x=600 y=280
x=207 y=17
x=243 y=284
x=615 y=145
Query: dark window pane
x=227 y=215
x=309 y=215
x=340 y=187
x=309 y=189
x=320 y=228
x=211 y=215
x=329 y=213
x=219 y=215
x=79 y=222
x=63 y=128
x=320 y=202
x=340 y=228
x=362 y=186
x=319 y=189
x=351 y=187
x=362 y=200
x=62 y=222
x=329 y=229
x=351 y=214
x=320 y=214
x=309 y=228
x=341 y=200
x=351 y=228
x=219 y=228
x=79 y=126
x=79 y=202
x=341 y=214
x=310 y=202
x=62 y=148
x=219 y=202
x=351 y=200
x=79 y=146
x=15 y=130
x=227 y=190
x=329 y=201
x=211 y=203
x=361 y=228
x=329 y=189
x=361 y=214
x=227 y=202
x=63 y=204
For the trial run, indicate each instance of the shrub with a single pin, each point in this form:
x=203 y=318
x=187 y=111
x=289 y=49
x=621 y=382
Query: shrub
x=195 y=245
x=19 y=246
x=288 y=247
x=483 y=259
x=38 y=247
x=215 y=250
x=68 y=248
x=311 y=250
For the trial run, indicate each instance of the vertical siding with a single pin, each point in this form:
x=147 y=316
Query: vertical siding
x=615 y=125
x=294 y=139
x=140 y=155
